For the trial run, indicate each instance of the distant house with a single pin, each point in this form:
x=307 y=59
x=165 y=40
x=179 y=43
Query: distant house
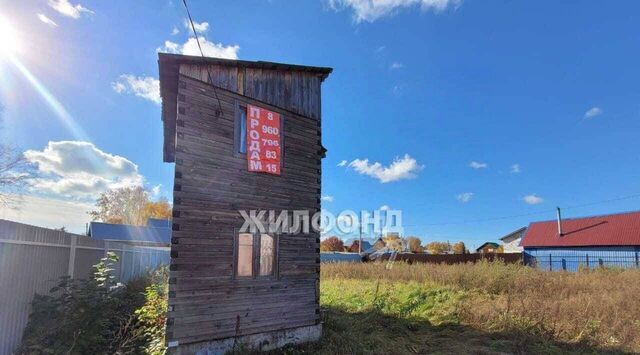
x=488 y=247
x=589 y=242
x=379 y=244
x=157 y=231
x=354 y=248
x=511 y=241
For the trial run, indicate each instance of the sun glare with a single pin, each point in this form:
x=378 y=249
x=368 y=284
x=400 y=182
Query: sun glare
x=8 y=38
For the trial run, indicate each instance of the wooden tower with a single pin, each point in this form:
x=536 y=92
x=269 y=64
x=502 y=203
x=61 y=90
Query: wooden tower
x=229 y=289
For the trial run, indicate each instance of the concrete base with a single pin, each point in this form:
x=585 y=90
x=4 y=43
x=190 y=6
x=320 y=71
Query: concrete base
x=261 y=342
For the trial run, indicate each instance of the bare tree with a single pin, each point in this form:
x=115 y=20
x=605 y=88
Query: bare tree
x=14 y=172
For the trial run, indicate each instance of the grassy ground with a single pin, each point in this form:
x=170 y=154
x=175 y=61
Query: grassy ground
x=486 y=308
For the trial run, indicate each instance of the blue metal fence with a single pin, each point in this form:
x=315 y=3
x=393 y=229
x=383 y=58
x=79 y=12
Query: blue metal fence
x=573 y=259
x=336 y=257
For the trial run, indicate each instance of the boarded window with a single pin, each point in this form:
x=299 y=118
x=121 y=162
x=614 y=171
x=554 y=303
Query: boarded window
x=244 y=266
x=267 y=254
x=256 y=255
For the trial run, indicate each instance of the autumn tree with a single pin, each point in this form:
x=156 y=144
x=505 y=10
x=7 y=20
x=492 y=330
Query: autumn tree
x=459 y=248
x=160 y=209
x=332 y=244
x=438 y=247
x=355 y=247
x=129 y=205
x=414 y=244
x=390 y=238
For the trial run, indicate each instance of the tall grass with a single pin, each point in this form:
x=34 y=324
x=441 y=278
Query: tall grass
x=599 y=308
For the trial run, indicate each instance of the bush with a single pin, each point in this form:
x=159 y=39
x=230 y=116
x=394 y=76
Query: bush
x=98 y=315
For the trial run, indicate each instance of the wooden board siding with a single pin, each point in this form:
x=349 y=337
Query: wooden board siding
x=295 y=91
x=211 y=184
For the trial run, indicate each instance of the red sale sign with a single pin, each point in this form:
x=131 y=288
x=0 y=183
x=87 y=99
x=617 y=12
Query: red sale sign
x=263 y=140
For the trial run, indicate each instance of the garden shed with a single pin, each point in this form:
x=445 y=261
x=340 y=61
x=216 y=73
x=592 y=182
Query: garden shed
x=244 y=135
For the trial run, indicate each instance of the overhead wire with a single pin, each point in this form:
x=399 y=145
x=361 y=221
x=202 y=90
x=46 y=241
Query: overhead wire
x=219 y=112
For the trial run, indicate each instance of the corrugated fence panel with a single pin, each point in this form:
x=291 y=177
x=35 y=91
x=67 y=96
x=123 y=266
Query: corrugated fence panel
x=32 y=259
x=573 y=259
x=340 y=258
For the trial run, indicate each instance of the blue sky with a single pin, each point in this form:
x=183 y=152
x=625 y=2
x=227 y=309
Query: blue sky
x=456 y=92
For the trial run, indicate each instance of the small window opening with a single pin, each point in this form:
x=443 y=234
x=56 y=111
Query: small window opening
x=245 y=255
x=266 y=255
x=255 y=255
x=242 y=129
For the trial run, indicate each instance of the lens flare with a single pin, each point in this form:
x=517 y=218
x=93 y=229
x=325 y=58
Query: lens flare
x=8 y=38
x=55 y=105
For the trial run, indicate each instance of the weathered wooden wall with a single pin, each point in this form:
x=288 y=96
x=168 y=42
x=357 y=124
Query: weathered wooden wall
x=295 y=91
x=211 y=184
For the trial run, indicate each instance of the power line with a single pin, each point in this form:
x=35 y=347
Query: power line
x=219 y=112
x=628 y=197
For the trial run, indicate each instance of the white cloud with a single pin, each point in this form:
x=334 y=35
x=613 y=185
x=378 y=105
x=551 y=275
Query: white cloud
x=327 y=198
x=146 y=87
x=371 y=10
x=384 y=208
x=593 y=112
x=175 y=31
x=47 y=20
x=464 y=197
x=478 y=165
x=210 y=49
x=49 y=213
x=533 y=199
x=80 y=170
x=67 y=9
x=515 y=169
x=400 y=168
x=396 y=65
x=156 y=190
x=342 y=163
x=200 y=27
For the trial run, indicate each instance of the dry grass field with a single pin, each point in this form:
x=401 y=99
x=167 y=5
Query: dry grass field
x=484 y=308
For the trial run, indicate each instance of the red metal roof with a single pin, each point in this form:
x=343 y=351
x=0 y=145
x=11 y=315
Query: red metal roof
x=609 y=230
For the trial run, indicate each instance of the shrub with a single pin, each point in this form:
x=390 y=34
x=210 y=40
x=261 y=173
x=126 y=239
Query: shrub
x=97 y=315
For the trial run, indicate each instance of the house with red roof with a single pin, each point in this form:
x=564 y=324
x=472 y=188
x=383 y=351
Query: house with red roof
x=589 y=242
